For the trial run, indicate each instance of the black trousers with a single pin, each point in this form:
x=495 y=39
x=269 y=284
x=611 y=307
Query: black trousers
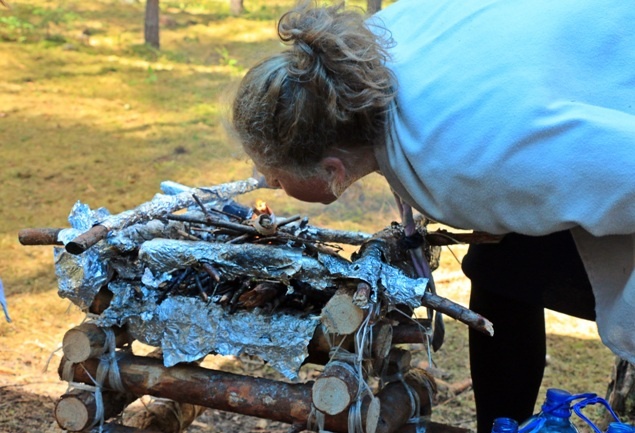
x=512 y=282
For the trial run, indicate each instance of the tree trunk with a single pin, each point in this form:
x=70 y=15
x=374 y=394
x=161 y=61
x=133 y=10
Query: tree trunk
x=236 y=7
x=152 y=23
x=373 y=6
x=621 y=391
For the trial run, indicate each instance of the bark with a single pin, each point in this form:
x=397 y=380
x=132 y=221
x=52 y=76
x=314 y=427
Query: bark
x=621 y=392
x=264 y=398
x=43 y=236
x=151 y=26
x=236 y=7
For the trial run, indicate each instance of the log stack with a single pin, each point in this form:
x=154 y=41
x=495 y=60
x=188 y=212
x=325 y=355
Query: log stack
x=229 y=279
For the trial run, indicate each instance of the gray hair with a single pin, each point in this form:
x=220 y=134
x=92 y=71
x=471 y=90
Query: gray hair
x=330 y=88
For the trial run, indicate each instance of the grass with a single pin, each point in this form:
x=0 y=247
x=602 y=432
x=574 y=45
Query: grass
x=87 y=112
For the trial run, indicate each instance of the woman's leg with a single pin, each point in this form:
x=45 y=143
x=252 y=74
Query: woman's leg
x=512 y=282
x=507 y=368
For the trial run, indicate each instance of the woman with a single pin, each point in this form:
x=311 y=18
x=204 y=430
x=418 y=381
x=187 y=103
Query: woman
x=505 y=116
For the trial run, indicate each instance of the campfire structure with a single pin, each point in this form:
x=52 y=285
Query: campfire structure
x=194 y=272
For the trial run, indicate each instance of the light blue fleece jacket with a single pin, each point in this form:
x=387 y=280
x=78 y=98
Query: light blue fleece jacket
x=519 y=116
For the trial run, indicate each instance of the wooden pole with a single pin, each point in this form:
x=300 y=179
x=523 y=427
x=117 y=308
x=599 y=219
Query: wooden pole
x=253 y=396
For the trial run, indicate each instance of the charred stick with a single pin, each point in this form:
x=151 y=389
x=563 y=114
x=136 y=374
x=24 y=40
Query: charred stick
x=86 y=240
x=200 y=289
x=211 y=271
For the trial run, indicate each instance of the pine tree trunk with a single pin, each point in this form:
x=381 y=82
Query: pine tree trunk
x=236 y=7
x=621 y=391
x=373 y=6
x=152 y=23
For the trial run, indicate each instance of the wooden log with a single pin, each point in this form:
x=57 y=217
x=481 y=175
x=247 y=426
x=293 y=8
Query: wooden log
x=41 y=236
x=89 y=341
x=340 y=315
x=413 y=332
x=336 y=388
x=163 y=415
x=77 y=410
x=397 y=362
x=396 y=402
x=264 y=398
x=192 y=384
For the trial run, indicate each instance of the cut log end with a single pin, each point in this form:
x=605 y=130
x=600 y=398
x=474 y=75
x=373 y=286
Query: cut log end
x=331 y=395
x=72 y=414
x=340 y=315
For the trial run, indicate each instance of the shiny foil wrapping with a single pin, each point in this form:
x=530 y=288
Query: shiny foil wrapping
x=138 y=261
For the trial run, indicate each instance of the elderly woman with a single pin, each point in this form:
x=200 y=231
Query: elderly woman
x=513 y=117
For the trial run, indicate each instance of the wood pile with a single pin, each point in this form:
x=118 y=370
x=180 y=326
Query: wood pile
x=194 y=272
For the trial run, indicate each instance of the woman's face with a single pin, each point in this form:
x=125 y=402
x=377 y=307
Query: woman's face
x=315 y=189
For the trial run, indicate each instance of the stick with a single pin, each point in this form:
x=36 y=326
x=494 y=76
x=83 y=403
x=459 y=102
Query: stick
x=458 y=312
x=159 y=206
x=43 y=236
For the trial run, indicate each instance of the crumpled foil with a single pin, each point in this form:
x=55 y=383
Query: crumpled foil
x=284 y=263
x=188 y=328
x=81 y=276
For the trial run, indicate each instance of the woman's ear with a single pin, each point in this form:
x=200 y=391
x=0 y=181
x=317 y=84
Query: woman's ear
x=335 y=169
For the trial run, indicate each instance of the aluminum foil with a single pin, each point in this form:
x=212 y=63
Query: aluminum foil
x=394 y=286
x=81 y=276
x=188 y=328
x=284 y=263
